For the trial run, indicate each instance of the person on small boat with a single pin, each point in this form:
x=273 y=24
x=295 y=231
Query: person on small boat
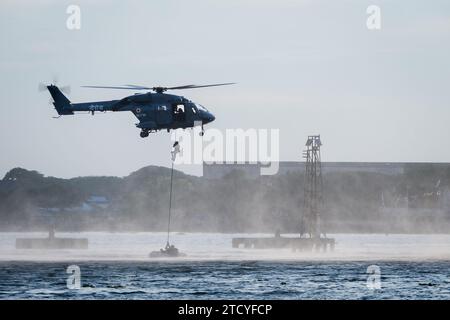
x=170 y=250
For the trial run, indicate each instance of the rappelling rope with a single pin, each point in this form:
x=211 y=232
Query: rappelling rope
x=170 y=204
x=170 y=192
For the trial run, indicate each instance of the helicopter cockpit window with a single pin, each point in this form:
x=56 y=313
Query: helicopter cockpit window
x=162 y=108
x=178 y=112
x=200 y=107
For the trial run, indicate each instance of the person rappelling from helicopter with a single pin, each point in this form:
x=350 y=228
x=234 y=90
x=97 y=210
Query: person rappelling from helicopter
x=170 y=250
x=175 y=151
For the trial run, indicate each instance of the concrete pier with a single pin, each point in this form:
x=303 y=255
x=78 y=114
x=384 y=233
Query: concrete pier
x=51 y=242
x=296 y=244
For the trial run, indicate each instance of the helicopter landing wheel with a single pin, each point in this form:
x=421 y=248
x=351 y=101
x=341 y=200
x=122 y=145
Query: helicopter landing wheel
x=144 y=134
x=202 y=133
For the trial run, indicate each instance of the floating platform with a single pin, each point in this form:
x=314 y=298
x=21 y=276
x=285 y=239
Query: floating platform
x=51 y=243
x=300 y=244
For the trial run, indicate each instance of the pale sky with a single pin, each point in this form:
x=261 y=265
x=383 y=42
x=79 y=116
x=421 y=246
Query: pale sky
x=303 y=66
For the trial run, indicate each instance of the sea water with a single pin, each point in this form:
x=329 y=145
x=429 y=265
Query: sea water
x=117 y=266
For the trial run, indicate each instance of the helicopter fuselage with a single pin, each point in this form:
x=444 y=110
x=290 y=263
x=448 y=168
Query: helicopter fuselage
x=155 y=111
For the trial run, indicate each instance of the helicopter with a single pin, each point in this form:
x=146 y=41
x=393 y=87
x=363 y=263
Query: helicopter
x=155 y=109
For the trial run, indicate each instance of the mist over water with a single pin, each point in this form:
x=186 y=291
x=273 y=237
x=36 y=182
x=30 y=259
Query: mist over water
x=213 y=246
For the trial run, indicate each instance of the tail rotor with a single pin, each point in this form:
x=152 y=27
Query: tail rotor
x=65 y=89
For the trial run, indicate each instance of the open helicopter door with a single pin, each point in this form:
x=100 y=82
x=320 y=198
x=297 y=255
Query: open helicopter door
x=179 y=114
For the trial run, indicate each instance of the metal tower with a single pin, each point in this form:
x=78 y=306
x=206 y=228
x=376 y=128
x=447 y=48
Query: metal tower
x=310 y=219
x=310 y=223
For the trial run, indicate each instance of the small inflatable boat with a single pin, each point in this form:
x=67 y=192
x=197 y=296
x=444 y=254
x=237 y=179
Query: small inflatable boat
x=168 y=252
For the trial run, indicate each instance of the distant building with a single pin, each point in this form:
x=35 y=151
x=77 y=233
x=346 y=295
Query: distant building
x=219 y=170
x=98 y=201
x=91 y=204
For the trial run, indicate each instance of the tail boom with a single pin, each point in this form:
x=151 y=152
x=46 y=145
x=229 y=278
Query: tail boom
x=64 y=107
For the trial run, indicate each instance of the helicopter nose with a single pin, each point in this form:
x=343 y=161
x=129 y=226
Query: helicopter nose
x=209 y=117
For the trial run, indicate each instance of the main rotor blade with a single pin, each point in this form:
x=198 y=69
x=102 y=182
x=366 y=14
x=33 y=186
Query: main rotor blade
x=126 y=88
x=163 y=88
x=193 y=86
x=137 y=87
x=188 y=86
x=158 y=89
